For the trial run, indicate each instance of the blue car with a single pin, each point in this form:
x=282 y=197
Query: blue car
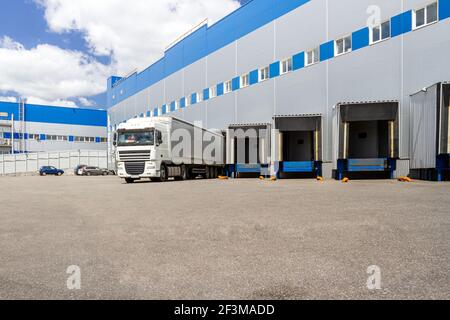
x=50 y=171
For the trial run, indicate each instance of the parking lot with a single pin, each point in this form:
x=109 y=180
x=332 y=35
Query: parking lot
x=215 y=239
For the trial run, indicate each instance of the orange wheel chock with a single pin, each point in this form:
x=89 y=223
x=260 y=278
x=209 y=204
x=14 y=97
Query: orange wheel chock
x=320 y=179
x=405 y=179
x=223 y=177
x=262 y=178
x=345 y=180
x=273 y=178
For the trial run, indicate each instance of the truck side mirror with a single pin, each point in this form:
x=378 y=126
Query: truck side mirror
x=115 y=139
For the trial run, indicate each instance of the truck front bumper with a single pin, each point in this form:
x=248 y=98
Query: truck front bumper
x=150 y=171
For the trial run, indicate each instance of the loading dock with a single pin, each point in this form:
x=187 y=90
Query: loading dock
x=248 y=150
x=368 y=139
x=299 y=145
x=430 y=133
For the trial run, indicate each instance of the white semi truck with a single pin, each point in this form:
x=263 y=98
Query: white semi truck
x=165 y=147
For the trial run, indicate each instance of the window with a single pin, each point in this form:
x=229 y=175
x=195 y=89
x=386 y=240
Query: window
x=213 y=92
x=286 y=66
x=136 y=138
x=381 y=32
x=312 y=57
x=343 y=45
x=264 y=74
x=34 y=137
x=425 y=16
x=103 y=140
x=199 y=97
x=228 y=87
x=187 y=101
x=245 y=80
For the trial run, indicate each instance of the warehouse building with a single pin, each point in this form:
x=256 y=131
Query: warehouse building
x=26 y=128
x=335 y=80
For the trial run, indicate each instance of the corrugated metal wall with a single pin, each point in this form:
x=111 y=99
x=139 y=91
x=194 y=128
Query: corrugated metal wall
x=423 y=120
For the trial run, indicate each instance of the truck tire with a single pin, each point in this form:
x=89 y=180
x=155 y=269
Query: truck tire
x=184 y=173
x=208 y=173
x=163 y=173
x=129 y=180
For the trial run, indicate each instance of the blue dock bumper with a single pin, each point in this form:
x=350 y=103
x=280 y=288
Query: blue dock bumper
x=248 y=168
x=361 y=165
x=365 y=165
x=299 y=167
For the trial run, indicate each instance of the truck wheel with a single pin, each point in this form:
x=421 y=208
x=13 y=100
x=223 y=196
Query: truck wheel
x=163 y=173
x=129 y=180
x=208 y=173
x=184 y=173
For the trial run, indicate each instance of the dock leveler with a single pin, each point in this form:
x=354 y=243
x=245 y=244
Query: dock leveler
x=368 y=139
x=298 y=141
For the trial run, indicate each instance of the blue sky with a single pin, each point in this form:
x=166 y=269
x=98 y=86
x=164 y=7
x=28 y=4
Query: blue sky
x=27 y=27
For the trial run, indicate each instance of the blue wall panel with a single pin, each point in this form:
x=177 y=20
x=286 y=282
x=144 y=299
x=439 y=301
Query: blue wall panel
x=401 y=24
x=206 y=94
x=444 y=9
x=236 y=83
x=360 y=39
x=274 y=69
x=254 y=77
x=327 y=51
x=299 y=61
x=183 y=103
x=193 y=98
x=220 y=89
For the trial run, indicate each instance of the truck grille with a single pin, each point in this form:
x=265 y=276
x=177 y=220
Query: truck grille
x=135 y=168
x=134 y=155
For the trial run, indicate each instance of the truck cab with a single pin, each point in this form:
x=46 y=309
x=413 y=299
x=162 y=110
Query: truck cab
x=141 y=146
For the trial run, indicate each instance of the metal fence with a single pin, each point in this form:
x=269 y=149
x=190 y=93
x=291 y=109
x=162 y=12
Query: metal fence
x=65 y=160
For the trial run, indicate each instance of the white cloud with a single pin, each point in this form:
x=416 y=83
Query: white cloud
x=86 y=102
x=8 y=99
x=55 y=103
x=49 y=73
x=134 y=32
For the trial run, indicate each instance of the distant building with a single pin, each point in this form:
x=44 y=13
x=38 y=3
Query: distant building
x=33 y=128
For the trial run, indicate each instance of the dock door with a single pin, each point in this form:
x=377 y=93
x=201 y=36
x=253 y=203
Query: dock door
x=299 y=145
x=248 y=150
x=430 y=133
x=368 y=139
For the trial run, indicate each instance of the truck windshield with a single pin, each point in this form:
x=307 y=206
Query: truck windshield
x=136 y=138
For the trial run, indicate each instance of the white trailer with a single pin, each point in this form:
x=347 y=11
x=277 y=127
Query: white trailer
x=166 y=147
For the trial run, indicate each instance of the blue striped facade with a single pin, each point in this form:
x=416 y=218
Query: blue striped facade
x=56 y=115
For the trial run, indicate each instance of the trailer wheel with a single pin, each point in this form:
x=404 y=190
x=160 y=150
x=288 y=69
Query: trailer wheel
x=184 y=173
